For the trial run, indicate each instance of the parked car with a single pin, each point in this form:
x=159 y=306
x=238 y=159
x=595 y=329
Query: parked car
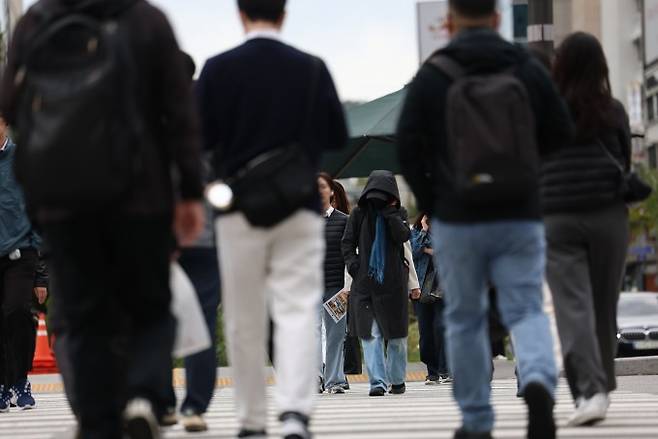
x=637 y=322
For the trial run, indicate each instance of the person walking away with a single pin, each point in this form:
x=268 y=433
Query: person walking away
x=333 y=375
x=265 y=104
x=373 y=249
x=95 y=163
x=482 y=111
x=587 y=225
x=19 y=260
x=430 y=312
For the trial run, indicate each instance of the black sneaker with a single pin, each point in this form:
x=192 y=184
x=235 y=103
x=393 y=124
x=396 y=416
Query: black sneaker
x=377 y=391
x=253 y=434
x=432 y=380
x=320 y=385
x=541 y=424
x=294 y=426
x=398 y=389
x=463 y=434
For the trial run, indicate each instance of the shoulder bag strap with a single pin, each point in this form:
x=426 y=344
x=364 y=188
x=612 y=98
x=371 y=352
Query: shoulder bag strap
x=447 y=65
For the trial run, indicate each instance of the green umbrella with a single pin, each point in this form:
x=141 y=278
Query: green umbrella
x=371 y=146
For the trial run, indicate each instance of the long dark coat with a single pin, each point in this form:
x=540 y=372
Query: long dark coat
x=387 y=303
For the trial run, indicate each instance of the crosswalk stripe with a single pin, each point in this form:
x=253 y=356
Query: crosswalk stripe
x=423 y=412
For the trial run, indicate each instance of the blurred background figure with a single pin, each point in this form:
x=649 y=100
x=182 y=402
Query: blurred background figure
x=429 y=308
x=19 y=264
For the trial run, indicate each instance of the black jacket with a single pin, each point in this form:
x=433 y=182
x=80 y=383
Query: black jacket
x=164 y=98
x=422 y=148
x=255 y=98
x=387 y=303
x=581 y=176
x=334 y=264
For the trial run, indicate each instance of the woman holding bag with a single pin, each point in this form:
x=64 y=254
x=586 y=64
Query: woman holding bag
x=587 y=225
x=429 y=309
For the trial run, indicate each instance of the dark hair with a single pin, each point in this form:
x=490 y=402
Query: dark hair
x=582 y=76
x=473 y=8
x=267 y=10
x=190 y=65
x=418 y=225
x=339 y=200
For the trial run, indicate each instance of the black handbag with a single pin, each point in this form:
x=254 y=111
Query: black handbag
x=275 y=184
x=632 y=188
x=430 y=291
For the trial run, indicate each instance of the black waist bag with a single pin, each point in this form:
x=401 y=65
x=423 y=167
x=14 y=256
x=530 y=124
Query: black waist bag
x=274 y=185
x=277 y=183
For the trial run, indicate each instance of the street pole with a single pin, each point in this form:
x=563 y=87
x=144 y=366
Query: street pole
x=540 y=26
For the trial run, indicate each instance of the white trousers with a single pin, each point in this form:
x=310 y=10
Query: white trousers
x=279 y=269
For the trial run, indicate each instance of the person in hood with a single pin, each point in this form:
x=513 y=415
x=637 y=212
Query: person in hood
x=373 y=250
x=497 y=241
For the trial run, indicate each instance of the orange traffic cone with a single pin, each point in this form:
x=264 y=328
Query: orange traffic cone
x=44 y=360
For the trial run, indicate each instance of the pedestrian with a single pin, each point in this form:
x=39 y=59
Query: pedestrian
x=95 y=162
x=19 y=263
x=333 y=375
x=200 y=263
x=587 y=225
x=352 y=347
x=373 y=249
x=429 y=309
x=269 y=111
x=481 y=111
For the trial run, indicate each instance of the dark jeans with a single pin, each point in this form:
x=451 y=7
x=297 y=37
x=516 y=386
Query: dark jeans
x=432 y=343
x=114 y=330
x=17 y=331
x=202 y=267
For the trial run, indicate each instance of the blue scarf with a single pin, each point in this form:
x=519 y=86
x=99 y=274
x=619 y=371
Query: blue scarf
x=377 y=263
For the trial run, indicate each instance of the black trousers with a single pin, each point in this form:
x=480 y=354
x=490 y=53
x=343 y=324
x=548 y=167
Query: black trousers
x=17 y=331
x=432 y=343
x=114 y=330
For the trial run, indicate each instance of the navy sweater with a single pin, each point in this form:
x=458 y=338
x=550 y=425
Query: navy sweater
x=254 y=98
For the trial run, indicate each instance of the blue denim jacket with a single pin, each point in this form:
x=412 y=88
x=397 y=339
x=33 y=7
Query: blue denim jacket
x=420 y=240
x=15 y=228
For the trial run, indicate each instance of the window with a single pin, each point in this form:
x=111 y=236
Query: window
x=520 y=17
x=651 y=108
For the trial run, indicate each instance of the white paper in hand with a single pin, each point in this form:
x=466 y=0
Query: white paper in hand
x=191 y=331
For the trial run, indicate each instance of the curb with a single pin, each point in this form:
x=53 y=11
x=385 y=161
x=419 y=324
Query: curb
x=636 y=366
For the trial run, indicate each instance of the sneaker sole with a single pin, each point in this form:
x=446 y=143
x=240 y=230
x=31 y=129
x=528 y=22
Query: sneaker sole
x=587 y=422
x=27 y=407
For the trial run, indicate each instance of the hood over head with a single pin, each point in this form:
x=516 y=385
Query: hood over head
x=380 y=181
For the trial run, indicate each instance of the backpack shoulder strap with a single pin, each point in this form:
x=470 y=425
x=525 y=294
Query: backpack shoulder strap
x=447 y=65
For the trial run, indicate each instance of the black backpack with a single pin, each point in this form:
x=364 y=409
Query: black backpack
x=491 y=136
x=78 y=125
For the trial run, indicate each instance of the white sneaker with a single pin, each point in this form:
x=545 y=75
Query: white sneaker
x=140 y=420
x=193 y=423
x=590 y=411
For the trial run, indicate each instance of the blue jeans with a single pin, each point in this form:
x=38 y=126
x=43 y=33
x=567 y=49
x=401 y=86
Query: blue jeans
x=334 y=353
x=391 y=369
x=432 y=338
x=511 y=256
